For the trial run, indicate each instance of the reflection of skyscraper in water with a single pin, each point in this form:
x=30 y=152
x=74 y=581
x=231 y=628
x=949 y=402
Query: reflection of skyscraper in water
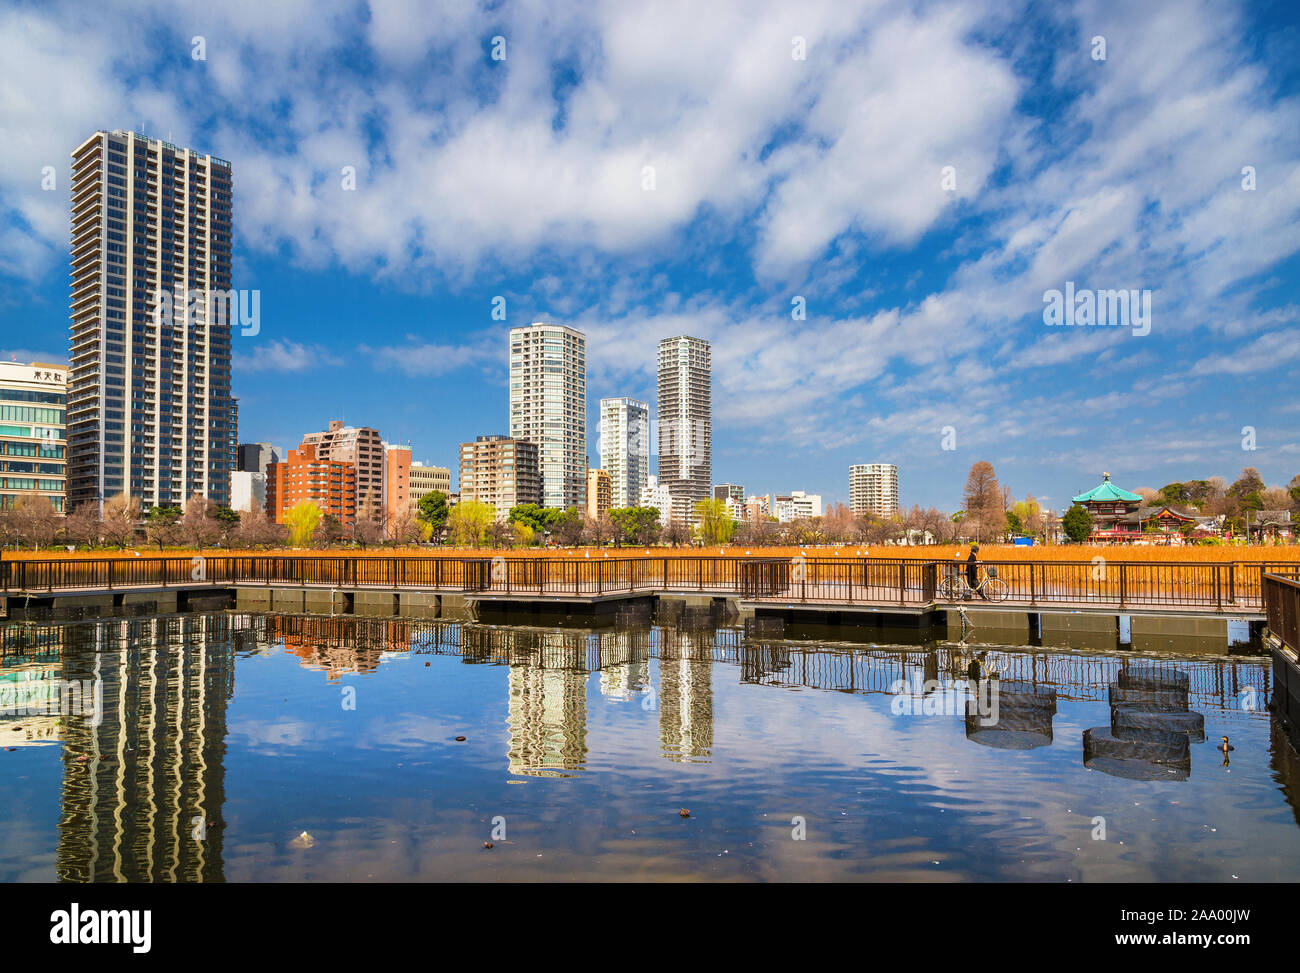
x=624 y=680
x=144 y=780
x=685 y=694
x=624 y=664
x=548 y=711
x=339 y=646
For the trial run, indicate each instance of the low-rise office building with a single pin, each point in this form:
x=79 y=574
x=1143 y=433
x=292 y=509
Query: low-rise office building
x=424 y=479
x=33 y=432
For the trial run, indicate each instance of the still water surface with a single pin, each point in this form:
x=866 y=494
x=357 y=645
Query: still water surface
x=243 y=747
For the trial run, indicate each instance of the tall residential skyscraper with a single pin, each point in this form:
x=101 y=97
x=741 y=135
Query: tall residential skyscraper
x=625 y=448
x=548 y=406
x=685 y=422
x=874 y=487
x=149 y=405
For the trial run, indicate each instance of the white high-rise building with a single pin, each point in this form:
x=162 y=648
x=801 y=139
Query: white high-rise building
x=685 y=422
x=625 y=448
x=548 y=406
x=149 y=407
x=873 y=487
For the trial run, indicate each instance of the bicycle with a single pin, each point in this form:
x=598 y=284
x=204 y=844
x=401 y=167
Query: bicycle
x=955 y=587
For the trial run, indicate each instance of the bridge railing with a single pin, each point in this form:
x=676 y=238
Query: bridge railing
x=1225 y=586
x=1282 y=608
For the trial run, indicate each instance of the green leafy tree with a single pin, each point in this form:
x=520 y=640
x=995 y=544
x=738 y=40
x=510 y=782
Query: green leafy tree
x=537 y=518
x=433 y=511
x=302 y=520
x=1175 y=493
x=636 y=525
x=1077 y=523
x=331 y=529
x=1248 y=490
x=162 y=526
x=716 y=525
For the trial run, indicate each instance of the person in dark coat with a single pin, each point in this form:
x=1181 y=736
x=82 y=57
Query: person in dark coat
x=972 y=569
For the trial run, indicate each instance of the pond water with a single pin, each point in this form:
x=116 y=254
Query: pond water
x=267 y=748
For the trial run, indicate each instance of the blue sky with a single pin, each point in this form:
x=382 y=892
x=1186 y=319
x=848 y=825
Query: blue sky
x=774 y=178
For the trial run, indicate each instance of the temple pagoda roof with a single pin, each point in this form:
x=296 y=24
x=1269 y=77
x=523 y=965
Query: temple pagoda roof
x=1106 y=492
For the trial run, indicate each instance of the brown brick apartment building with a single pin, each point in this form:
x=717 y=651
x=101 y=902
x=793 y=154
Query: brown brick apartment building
x=304 y=475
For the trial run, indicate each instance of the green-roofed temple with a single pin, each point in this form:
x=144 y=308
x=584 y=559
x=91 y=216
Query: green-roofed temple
x=1118 y=515
x=1106 y=496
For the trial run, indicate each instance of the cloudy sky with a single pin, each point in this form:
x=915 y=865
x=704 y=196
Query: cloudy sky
x=916 y=175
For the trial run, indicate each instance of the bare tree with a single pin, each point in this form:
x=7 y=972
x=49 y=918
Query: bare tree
x=404 y=527
x=367 y=531
x=499 y=534
x=33 y=520
x=1276 y=498
x=199 y=524
x=257 y=530
x=599 y=531
x=81 y=527
x=676 y=533
x=121 y=517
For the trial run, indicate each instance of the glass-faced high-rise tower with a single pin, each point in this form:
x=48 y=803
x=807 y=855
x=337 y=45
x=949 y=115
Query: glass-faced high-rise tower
x=150 y=412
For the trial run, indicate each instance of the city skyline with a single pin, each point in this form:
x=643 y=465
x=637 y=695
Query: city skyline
x=846 y=329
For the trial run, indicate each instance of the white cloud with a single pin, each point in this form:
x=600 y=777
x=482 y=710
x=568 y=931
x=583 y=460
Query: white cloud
x=282 y=355
x=473 y=175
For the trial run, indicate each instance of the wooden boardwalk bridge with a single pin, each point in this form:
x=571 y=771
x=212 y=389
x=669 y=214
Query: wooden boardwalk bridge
x=883 y=585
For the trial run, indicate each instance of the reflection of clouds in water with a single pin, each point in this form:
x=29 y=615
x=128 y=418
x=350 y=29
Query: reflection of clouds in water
x=281 y=733
x=408 y=730
x=884 y=796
